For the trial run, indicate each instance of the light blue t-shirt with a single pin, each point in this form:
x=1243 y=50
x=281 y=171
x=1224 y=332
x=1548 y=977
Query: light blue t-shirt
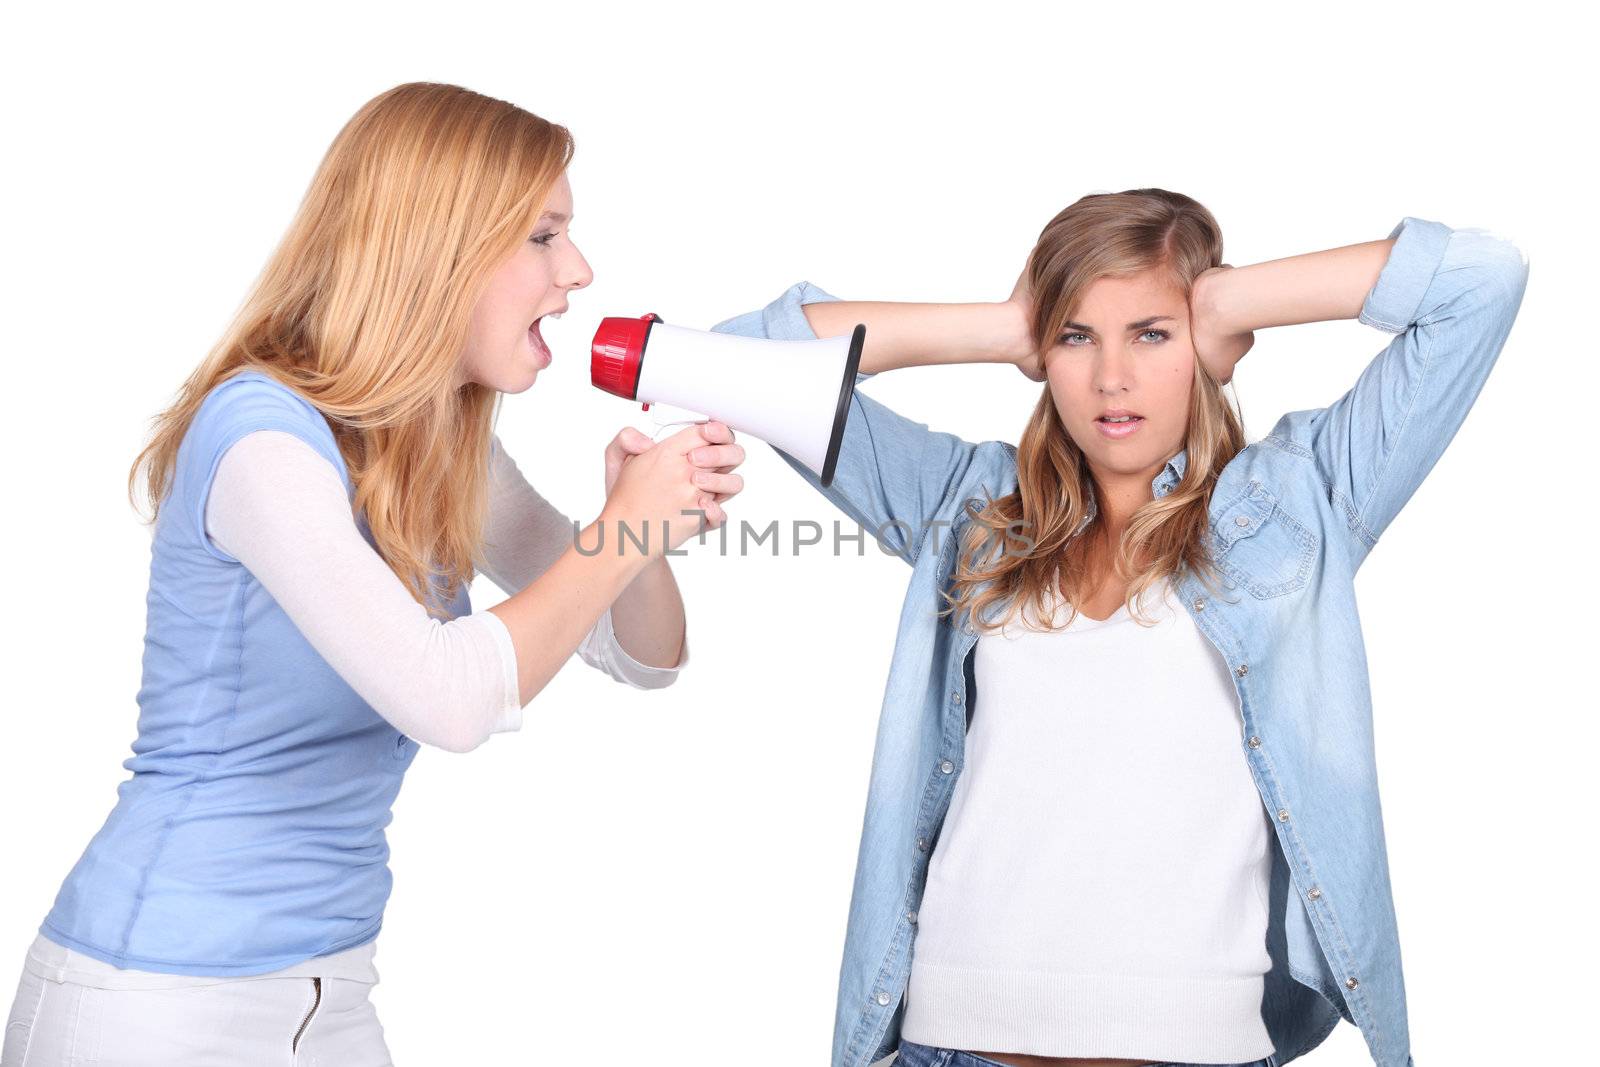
x=251 y=834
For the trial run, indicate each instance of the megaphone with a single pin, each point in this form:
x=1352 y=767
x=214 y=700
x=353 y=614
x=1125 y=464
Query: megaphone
x=794 y=395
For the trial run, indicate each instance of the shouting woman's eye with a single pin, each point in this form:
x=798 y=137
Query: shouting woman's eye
x=543 y=238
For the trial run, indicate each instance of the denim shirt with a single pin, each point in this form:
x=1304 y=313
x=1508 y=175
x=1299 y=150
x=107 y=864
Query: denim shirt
x=1292 y=517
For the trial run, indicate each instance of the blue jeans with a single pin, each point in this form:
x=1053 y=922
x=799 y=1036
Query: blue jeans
x=912 y=1054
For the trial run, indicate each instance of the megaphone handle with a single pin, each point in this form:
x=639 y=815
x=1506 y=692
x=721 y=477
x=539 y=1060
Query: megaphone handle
x=665 y=416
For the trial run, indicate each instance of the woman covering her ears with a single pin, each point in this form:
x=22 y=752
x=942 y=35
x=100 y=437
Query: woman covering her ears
x=1123 y=806
x=326 y=484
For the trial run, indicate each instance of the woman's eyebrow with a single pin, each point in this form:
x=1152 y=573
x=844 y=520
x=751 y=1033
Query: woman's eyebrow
x=554 y=216
x=1141 y=324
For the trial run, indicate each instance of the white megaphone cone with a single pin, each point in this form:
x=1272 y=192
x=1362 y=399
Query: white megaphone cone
x=794 y=395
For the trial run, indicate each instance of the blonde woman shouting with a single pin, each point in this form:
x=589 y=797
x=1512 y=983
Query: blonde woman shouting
x=326 y=484
x=1124 y=808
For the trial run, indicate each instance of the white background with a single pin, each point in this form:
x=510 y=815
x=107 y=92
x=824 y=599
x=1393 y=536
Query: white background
x=664 y=876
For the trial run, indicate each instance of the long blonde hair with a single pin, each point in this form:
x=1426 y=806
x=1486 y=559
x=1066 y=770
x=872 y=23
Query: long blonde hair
x=1100 y=235
x=364 y=309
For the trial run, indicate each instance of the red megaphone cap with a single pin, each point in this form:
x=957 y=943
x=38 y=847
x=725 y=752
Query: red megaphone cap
x=616 y=353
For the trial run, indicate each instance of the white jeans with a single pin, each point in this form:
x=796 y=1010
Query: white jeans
x=73 y=1011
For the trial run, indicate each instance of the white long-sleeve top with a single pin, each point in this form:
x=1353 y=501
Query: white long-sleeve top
x=281 y=509
x=1100 y=884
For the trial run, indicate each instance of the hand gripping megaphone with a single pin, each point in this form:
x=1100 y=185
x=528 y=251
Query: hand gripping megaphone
x=794 y=395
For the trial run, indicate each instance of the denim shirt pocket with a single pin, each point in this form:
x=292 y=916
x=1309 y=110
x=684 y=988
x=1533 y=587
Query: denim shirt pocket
x=1260 y=546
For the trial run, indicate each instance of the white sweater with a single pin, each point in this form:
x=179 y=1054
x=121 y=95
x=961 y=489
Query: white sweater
x=1099 y=886
x=281 y=509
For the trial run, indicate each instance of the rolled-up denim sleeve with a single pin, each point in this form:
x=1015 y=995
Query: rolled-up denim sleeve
x=1450 y=296
x=894 y=476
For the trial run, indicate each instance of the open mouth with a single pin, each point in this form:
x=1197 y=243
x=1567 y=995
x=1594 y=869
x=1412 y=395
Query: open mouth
x=1119 y=426
x=536 y=341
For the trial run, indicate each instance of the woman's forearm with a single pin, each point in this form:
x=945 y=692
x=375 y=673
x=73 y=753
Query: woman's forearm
x=911 y=334
x=549 y=618
x=648 y=616
x=1314 y=287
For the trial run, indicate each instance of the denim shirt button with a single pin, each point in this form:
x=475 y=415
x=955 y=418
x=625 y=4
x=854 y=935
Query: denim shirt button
x=1200 y=603
x=1242 y=669
x=1283 y=814
x=911 y=916
x=922 y=844
x=883 y=999
x=1351 y=983
x=1241 y=520
x=956 y=696
x=1314 y=894
x=946 y=766
x=1255 y=742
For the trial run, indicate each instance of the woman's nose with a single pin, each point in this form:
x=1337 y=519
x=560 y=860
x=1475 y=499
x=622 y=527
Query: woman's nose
x=579 y=273
x=1112 y=371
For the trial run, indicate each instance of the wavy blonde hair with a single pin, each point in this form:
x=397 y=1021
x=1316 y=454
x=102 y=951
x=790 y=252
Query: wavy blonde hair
x=364 y=309
x=1100 y=235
